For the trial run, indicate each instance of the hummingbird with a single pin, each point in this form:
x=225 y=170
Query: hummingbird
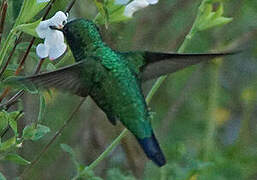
x=113 y=79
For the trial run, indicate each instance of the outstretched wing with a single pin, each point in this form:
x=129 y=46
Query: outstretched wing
x=151 y=65
x=68 y=78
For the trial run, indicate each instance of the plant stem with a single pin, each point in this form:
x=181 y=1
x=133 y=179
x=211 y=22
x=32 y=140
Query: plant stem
x=109 y=149
x=10 y=39
x=4 y=7
x=245 y=137
x=212 y=106
x=18 y=40
x=163 y=174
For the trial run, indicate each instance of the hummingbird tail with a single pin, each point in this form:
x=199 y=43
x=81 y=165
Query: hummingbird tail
x=152 y=150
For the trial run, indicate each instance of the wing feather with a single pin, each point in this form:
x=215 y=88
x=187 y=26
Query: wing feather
x=151 y=65
x=64 y=79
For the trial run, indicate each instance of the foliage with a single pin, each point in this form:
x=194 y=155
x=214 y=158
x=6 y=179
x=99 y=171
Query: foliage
x=204 y=115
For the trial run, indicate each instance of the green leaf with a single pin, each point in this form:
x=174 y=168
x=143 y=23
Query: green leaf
x=100 y=7
x=41 y=131
x=8 y=144
x=13 y=125
x=16 y=159
x=103 y=14
x=16 y=6
x=59 y=5
x=28 y=132
x=2 y=176
x=210 y=18
x=9 y=71
x=50 y=67
x=15 y=115
x=113 y=13
x=29 y=28
x=117 y=15
x=9 y=119
x=34 y=134
x=67 y=149
x=3 y=120
x=13 y=118
x=41 y=108
x=30 y=8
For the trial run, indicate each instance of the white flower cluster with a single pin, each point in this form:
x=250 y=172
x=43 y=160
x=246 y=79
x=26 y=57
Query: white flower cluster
x=54 y=45
x=42 y=1
x=135 y=5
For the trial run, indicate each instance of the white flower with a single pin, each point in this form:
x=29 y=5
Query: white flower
x=152 y=1
x=54 y=45
x=42 y=1
x=136 y=5
x=121 y=2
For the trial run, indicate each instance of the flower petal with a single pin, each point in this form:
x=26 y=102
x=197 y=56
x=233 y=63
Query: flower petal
x=57 y=51
x=42 y=50
x=42 y=1
x=54 y=38
x=42 y=29
x=152 y=1
x=59 y=19
x=54 y=45
x=55 y=42
x=134 y=6
x=121 y=2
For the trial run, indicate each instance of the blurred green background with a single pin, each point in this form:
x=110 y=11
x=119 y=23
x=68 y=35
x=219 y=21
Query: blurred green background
x=204 y=116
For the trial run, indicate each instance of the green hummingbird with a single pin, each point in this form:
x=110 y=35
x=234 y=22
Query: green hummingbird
x=113 y=79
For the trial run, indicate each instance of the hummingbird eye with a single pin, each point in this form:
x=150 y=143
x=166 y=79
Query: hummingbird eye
x=64 y=22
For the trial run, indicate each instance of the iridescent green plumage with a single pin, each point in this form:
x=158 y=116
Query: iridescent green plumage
x=113 y=79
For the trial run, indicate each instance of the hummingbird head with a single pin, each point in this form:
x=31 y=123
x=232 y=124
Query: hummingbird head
x=80 y=33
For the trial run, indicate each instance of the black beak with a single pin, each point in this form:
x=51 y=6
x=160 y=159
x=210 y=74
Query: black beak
x=56 y=28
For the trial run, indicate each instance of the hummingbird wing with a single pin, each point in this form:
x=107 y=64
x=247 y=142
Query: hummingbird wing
x=65 y=79
x=151 y=65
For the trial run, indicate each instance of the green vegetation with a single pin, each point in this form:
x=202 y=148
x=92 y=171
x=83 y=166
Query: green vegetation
x=203 y=116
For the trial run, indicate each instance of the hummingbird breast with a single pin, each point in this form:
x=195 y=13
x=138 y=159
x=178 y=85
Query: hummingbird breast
x=118 y=93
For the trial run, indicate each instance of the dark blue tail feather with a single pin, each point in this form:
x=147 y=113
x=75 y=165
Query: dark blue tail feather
x=152 y=150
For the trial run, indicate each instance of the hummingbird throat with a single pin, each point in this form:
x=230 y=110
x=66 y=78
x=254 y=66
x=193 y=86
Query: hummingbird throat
x=82 y=50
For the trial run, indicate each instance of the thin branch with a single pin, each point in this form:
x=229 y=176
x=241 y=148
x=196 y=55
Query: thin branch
x=58 y=133
x=39 y=65
x=12 y=100
x=18 y=40
x=48 y=9
x=70 y=6
x=3 y=17
x=18 y=70
x=5 y=93
x=2 y=5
